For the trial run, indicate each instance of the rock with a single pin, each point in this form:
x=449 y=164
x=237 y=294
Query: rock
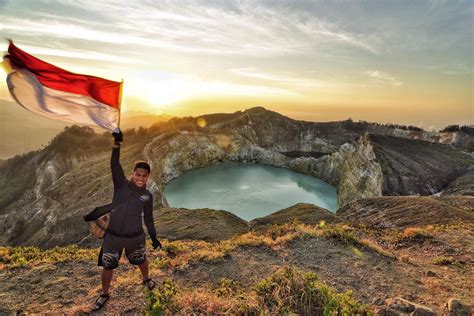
x=453 y=304
x=456 y=308
x=377 y=301
x=423 y=311
x=379 y=312
x=430 y=273
x=393 y=312
x=414 y=309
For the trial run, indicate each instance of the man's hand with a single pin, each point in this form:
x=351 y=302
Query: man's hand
x=155 y=243
x=118 y=136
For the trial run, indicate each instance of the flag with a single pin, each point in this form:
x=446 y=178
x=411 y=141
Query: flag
x=58 y=94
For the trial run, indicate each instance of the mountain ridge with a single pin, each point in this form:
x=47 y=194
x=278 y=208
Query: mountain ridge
x=61 y=182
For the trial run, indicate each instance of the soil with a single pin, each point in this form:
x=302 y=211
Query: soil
x=72 y=287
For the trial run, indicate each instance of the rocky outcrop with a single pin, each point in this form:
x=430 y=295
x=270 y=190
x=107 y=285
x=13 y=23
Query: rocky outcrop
x=353 y=169
x=408 y=211
x=360 y=175
x=417 y=167
x=463 y=185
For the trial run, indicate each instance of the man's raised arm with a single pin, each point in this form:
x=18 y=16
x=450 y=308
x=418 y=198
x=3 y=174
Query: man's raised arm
x=118 y=175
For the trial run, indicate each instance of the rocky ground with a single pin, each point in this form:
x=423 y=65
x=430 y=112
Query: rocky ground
x=428 y=263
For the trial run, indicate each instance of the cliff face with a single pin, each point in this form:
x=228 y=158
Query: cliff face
x=409 y=211
x=463 y=185
x=46 y=193
x=417 y=167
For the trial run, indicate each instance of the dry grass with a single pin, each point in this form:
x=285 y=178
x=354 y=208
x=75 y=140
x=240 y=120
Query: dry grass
x=417 y=233
x=181 y=254
x=375 y=247
x=12 y=257
x=443 y=260
x=287 y=291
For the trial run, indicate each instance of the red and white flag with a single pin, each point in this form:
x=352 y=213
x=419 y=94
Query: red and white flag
x=58 y=94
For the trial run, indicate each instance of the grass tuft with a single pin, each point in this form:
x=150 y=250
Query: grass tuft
x=443 y=260
x=287 y=291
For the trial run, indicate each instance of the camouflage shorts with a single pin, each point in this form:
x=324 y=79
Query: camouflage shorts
x=113 y=246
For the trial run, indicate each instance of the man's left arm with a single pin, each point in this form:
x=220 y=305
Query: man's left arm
x=149 y=222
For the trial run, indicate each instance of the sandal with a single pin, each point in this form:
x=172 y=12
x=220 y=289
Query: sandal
x=98 y=304
x=150 y=284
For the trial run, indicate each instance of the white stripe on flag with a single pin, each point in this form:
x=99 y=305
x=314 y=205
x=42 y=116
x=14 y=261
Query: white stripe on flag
x=55 y=104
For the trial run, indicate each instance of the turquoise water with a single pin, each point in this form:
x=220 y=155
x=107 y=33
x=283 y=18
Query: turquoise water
x=248 y=190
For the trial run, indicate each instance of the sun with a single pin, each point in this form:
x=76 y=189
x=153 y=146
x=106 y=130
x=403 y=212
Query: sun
x=161 y=90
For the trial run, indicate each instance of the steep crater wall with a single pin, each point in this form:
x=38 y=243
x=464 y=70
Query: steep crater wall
x=353 y=169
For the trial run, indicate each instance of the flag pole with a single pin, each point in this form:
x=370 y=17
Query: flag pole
x=120 y=104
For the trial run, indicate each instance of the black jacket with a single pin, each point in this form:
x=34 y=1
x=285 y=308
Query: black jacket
x=128 y=203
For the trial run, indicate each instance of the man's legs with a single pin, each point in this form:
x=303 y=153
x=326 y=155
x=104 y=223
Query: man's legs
x=136 y=254
x=106 y=278
x=144 y=269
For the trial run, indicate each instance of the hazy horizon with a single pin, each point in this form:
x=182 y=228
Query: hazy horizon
x=31 y=131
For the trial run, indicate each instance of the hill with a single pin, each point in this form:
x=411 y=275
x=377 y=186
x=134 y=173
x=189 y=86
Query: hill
x=400 y=242
x=54 y=187
x=334 y=267
x=24 y=131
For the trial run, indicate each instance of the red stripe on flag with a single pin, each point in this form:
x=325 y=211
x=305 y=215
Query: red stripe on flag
x=102 y=90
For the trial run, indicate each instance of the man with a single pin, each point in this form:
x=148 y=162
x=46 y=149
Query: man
x=125 y=231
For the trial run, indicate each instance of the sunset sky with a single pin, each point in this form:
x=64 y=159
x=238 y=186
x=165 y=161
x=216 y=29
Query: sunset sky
x=408 y=62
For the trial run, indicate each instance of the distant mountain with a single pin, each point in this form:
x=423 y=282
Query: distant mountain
x=44 y=194
x=22 y=131
x=403 y=229
x=137 y=119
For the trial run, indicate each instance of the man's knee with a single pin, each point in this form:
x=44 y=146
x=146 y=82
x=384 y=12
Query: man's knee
x=137 y=257
x=110 y=260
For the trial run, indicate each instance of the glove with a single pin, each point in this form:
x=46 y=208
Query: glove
x=155 y=243
x=118 y=136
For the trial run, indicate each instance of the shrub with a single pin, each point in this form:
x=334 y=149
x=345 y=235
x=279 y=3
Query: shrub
x=342 y=233
x=287 y=291
x=416 y=233
x=443 y=260
x=161 y=300
x=290 y=290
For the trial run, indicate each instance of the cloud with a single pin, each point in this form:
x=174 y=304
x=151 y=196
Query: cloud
x=238 y=28
x=453 y=69
x=88 y=55
x=285 y=80
x=383 y=77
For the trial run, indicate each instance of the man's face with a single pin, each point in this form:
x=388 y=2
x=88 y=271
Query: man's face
x=140 y=177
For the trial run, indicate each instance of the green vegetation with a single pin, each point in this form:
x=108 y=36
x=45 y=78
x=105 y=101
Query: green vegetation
x=343 y=233
x=162 y=299
x=29 y=256
x=416 y=233
x=443 y=260
x=79 y=139
x=287 y=291
x=456 y=128
x=17 y=175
